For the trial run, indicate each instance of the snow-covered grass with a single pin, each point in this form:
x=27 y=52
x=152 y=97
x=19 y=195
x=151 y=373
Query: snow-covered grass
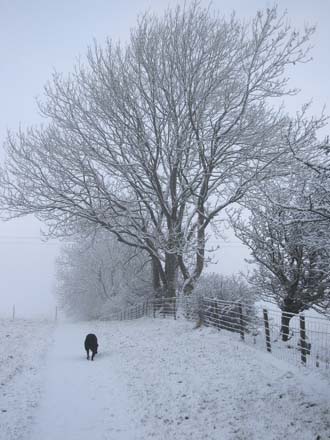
x=163 y=379
x=22 y=357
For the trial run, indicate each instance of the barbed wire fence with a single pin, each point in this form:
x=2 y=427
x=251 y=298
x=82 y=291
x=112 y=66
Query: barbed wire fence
x=308 y=339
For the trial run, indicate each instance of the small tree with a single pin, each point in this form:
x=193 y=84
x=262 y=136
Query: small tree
x=231 y=288
x=291 y=255
x=227 y=298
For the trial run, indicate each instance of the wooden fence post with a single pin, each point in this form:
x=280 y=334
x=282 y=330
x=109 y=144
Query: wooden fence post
x=267 y=332
x=303 y=339
x=241 y=321
x=163 y=303
x=216 y=315
x=14 y=312
x=201 y=306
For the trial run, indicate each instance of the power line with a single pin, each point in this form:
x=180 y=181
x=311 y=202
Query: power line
x=33 y=237
x=18 y=239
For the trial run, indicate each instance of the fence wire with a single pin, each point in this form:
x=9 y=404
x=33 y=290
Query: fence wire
x=305 y=341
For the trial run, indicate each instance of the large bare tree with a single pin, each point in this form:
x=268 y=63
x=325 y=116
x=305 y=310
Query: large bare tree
x=152 y=140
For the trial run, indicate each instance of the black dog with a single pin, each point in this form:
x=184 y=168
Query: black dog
x=91 y=344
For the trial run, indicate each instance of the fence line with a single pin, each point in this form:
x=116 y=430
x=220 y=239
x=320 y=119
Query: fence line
x=308 y=339
x=14 y=313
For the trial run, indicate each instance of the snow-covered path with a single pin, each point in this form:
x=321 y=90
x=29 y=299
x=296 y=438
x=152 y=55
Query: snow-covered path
x=82 y=400
x=159 y=379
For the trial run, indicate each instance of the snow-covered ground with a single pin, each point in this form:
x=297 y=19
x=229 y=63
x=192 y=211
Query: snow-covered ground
x=22 y=358
x=156 y=379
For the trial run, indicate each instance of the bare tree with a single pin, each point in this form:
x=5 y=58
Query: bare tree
x=154 y=140
x=291 y=255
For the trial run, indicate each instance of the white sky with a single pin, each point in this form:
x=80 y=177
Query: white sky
x=38 y=36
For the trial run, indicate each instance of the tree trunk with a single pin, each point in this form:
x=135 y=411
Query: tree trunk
x=289 y=308
x=285 y=325
x=171 y=274
x=156 y=284
x=200 y=256
x=188 y=287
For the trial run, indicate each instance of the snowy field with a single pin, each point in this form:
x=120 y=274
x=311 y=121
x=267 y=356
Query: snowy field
x=153 y=379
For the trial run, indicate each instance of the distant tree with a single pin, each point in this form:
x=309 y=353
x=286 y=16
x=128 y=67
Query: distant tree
x=291 y=255
x=153 y=140
x=224 y=298
x=96 y=277
x=225 y=287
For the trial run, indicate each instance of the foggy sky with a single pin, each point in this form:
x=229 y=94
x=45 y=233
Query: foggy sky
x=40 y=36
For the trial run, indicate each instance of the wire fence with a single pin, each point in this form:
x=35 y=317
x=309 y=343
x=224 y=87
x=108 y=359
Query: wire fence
x=298 y=339
x=302 y=340
x=16 y=313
